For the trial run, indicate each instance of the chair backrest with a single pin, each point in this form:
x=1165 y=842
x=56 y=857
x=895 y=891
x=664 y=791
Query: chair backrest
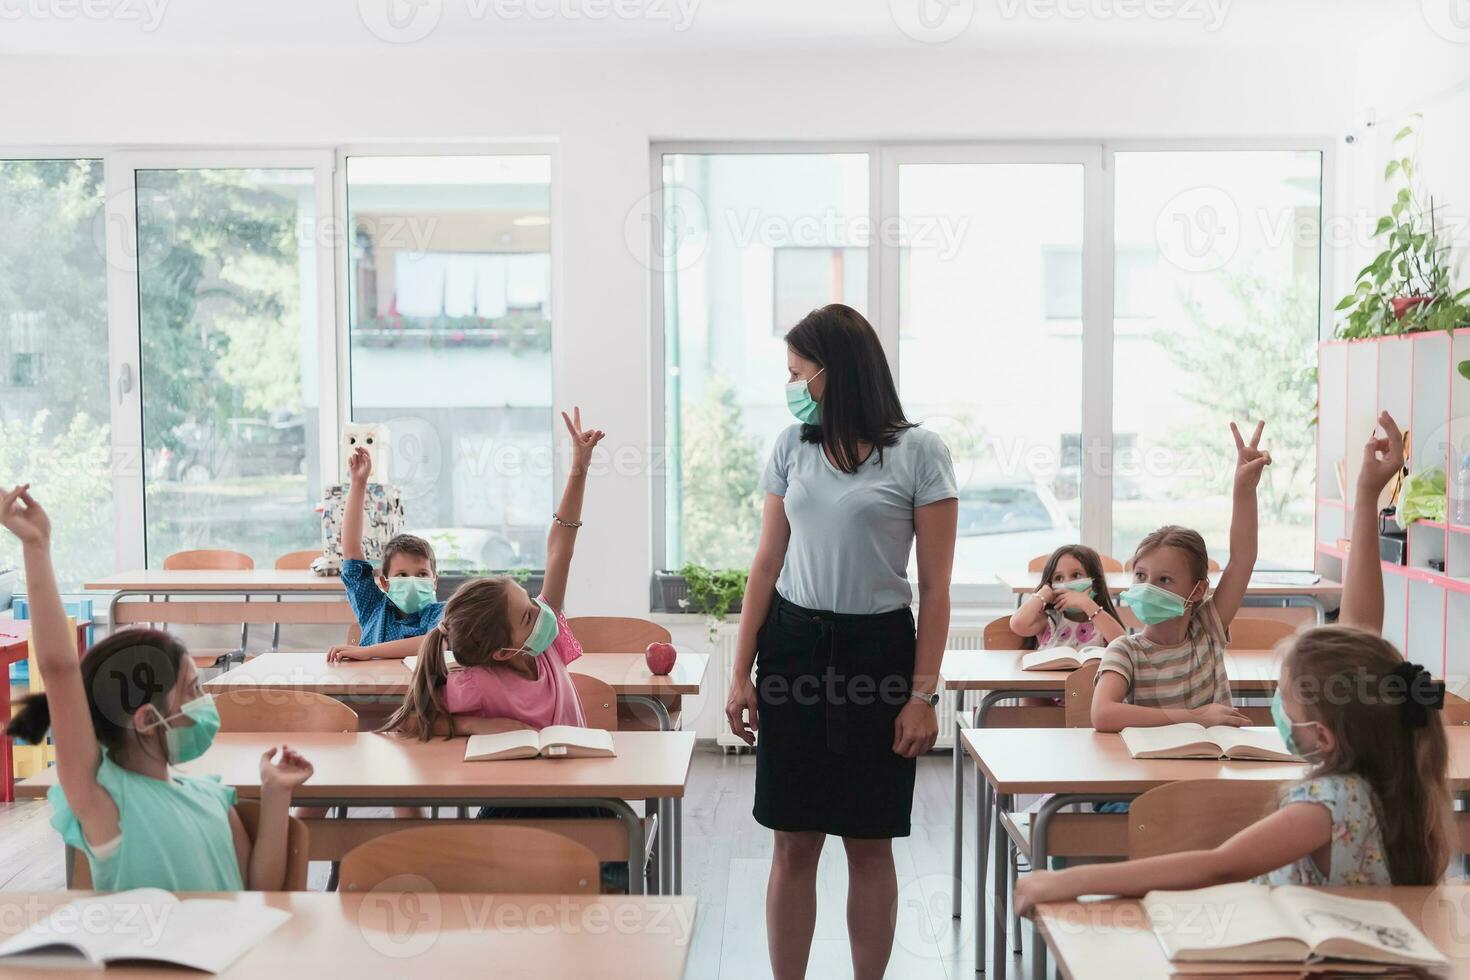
x=298 y=560
x=298 y=849
x=472 y=857
x=255 y=709
x=998 y=635
x=354 y=634
x=1210 y=564
x=1077 y=706
x=1195 y=814
x=209 y=560
x=1456 y=710
x=1251 y=633
x=599 y=701
x=1108 y=562
x=616 y=634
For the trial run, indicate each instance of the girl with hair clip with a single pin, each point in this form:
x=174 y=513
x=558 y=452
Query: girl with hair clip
x=1375 y=807
x=121 y=717
x=1072 y=606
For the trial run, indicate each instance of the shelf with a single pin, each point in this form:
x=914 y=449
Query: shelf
x=1412 y=572
x=1458 y=528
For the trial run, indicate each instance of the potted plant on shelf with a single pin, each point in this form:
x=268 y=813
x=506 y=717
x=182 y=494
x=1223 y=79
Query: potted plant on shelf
x=1407 y=287
x=714 y=592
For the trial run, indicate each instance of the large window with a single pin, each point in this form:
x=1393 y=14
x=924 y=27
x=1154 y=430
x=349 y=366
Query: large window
x=1228 y=333
x=752 y=242
x=227 y=322
x=449 y=310
x=55 y=423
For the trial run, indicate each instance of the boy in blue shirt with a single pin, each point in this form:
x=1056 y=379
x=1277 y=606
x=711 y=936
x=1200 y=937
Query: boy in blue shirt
x=396 y=607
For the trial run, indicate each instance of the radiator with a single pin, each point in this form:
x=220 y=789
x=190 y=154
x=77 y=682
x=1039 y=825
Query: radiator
x=961 y=637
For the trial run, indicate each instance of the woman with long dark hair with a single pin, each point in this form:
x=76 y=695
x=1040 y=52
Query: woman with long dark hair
x=846 y=688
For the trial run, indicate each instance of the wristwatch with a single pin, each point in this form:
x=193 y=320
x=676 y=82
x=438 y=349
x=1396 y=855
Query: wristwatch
x=932 y=700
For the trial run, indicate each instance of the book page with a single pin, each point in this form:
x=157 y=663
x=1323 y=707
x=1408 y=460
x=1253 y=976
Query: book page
x=498 y=743
x=1356 y=928
x=204 y=934
x=1266 y=741
x=553 y=737
x=1208 y=922
x=96 y=927
x=1049 y=658
x=1163 y=737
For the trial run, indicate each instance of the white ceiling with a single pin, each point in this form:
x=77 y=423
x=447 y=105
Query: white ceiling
x=387 y=27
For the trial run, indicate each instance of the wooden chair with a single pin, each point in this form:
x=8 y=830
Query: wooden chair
x=354 y=634
x=1251 y=633
x=298 y=846
x=213 y=560
x=293 y=561
x=627 y=634
x=1109 y=563
x=1077 y=707
x=1195 y=814
x=252 y=709
x=1210 y=564
x=599 y=702
x=998 y=635
x=473 y=857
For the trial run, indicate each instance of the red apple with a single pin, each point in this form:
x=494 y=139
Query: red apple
x=660 y=657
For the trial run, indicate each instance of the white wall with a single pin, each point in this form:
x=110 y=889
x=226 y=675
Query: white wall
x=603 y=112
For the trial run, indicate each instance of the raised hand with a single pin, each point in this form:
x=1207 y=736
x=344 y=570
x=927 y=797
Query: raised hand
x=286 y=772
x=359 y=465
x=23 y=517
x=1250 y=459
x=1383 y=456
x=583 y=440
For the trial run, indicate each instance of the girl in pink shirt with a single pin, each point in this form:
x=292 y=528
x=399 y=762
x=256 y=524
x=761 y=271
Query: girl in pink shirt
x=512 y=650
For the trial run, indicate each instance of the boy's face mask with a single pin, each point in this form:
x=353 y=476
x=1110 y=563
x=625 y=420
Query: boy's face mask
x=410 y=593
x=189 y=742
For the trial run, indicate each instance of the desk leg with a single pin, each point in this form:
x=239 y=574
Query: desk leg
x=1000 y=943
x=982 y=853
x=958 y=864
x=666 y=846
x=659 y=709
x=1320 y=607
x=7 y=785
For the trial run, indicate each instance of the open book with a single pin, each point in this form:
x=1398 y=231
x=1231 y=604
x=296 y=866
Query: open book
x=1060 y=658
x=143 y=924
x=1286 y=924
x=412 y=661
x=553 y=741
x=1192 y=741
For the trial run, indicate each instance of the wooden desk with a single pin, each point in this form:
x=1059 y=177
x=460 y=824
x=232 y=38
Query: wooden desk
x=1079 y=765
x=369 y=769
x=626 y=673
x=390 y=935
x=998 y=674
x=1113 y=939
x=15 y=646
x=232 y=591
x=1314 y=594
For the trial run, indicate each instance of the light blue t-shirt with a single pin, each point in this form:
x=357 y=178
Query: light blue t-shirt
x=851 y=533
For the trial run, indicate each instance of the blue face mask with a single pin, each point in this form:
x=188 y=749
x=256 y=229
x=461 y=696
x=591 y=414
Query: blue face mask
x=1152 y=604
x=1078 y=585
x=1285 y=726
x=543 y=633
x=799 y=399
x=188 y=742
x=410 y=593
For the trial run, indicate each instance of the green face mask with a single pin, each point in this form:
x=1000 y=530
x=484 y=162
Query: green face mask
x=1152 y=604
x=1078 y=585
x=410 y=593
x=188 y=742
x=799 y=399
x=543 y=633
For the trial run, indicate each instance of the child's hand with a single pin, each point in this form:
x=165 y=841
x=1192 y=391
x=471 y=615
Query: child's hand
x=1220 y=714
x=24 y=518
x=286 y=773
x=1066 y=599
x=359 y=465
x=1041 y=886
x=583 y=441
x=1383 y=459
x=1250 y=460
x=348 y=651
x=1048 y=595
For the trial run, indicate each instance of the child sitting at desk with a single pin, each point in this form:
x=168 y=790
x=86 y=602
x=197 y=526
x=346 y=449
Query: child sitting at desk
x=1174 y=670
x=400 y=605
x=1375 y=808
x=122 y=717
x=1072 y=581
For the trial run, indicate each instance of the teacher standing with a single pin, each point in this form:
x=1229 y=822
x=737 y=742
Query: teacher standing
x=845 y=690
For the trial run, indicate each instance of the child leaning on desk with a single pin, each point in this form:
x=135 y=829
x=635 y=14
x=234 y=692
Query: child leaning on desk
x=121 y=716
x=1366 y=721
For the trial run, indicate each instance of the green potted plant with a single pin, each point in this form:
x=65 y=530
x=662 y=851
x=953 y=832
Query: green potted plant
x=1407 y=287
x=714 y=592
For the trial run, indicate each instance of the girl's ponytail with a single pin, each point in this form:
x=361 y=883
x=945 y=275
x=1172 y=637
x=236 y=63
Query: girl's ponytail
x=424 y=703
x=31 y=721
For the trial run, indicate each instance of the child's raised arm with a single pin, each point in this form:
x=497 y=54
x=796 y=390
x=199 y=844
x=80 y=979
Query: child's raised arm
x=55 y=648
x=1250 y=460
x=1362 y=587
x=359 y=468
x=561 y=540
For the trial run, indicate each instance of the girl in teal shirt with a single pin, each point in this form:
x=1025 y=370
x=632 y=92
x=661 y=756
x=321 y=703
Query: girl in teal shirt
x=120 y=717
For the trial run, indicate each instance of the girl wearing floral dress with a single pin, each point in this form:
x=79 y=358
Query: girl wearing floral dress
x=1072 y=607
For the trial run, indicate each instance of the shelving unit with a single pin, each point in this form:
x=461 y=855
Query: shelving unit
x=1414 y=379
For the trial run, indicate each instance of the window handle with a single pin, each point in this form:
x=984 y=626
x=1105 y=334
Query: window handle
x=124 y=381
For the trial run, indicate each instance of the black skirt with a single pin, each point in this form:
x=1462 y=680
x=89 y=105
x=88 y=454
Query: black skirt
x=829 y=688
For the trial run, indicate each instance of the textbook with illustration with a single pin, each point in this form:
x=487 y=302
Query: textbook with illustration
x=1192 y=741
x=1060 y=658
x=144 y=924
x=1245 y=923
x=553 y=741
